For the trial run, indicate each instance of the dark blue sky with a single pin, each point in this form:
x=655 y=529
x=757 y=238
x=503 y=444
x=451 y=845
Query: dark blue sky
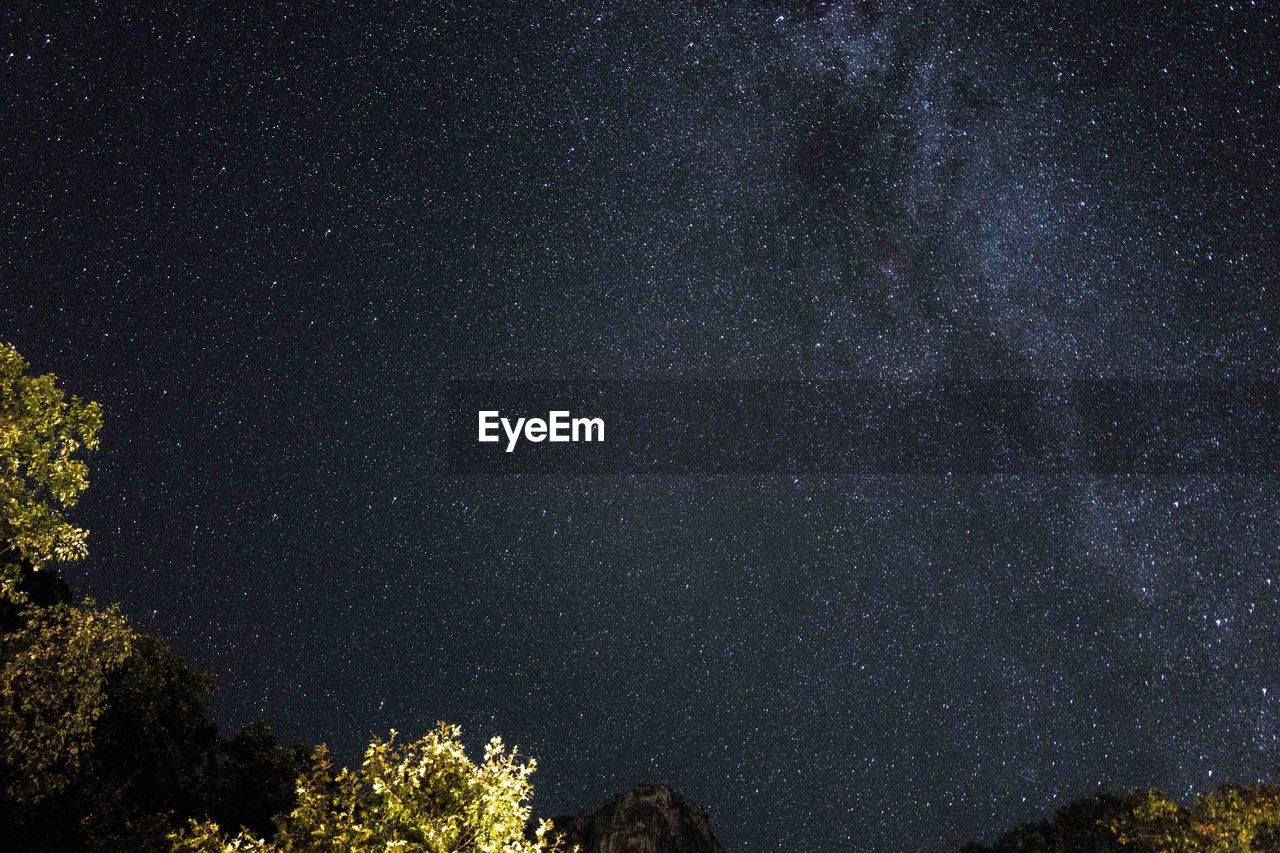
x=267 y=239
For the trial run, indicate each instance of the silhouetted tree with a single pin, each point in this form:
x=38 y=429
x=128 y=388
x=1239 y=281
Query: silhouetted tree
x=1080 y=826
x=255 y=780
x=34 y=588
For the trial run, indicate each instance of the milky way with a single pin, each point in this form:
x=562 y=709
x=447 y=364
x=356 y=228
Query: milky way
x=267 y=241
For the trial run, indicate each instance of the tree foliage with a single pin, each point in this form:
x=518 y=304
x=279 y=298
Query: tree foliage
x=105 y=738
x=100 y=728
x=254 y=779
x=425 y=796
x=43 y=435
x=1230 y=819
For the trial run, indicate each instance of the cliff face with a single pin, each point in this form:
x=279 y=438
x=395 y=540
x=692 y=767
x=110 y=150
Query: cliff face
x=646 y=819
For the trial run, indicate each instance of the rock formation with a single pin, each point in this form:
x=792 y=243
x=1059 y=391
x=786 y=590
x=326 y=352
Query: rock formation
x=646 y=819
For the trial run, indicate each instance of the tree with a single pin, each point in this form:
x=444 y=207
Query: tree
x=1080 y=826
x=1231 y=819
x=43 y=435
x=253 y=780
x=426 y=796
x=103 y=732
x=105 y=737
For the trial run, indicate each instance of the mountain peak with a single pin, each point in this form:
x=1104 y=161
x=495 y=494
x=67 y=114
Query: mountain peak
x=649 y=818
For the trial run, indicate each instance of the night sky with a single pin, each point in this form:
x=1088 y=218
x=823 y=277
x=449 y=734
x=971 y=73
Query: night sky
x=267 y=240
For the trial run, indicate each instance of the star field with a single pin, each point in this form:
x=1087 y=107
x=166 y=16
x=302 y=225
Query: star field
x=267 y=239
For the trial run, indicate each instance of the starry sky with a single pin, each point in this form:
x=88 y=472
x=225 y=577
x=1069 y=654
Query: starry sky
x=268 y=238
